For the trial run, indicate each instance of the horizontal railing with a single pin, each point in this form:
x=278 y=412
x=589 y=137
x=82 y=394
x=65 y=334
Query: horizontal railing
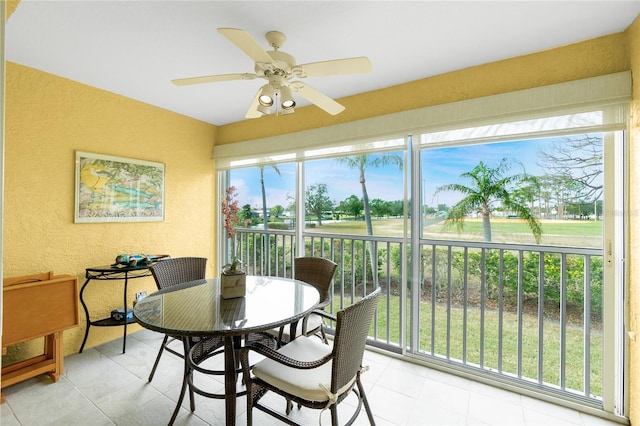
x=526 y=313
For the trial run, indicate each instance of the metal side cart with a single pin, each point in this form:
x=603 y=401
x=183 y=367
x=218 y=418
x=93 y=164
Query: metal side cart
x=111 y=273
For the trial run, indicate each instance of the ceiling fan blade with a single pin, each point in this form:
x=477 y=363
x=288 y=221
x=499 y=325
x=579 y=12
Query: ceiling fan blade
x=246 y=43
x=358 y=65
x=253 y=112
x=316 y=97
x=213 y=78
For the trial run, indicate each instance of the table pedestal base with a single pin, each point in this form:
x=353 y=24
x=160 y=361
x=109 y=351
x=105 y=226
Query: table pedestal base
x=228 y=346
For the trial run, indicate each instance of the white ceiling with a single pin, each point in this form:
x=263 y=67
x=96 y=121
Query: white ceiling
x=135 y=48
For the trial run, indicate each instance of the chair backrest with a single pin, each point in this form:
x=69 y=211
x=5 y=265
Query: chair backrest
x=318 y=272
x=352 y=329
x=170 y=272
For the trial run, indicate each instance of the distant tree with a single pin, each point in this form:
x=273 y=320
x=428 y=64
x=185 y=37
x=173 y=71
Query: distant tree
x=546 y=195
x=276 y=211
x=526 y=193
x=246 y=216
x=351 y=206
x=291 y=207
x=317 y=201
x=429 y=210
x=489 y=189
x=396 y=208
x=558 y=191
x=576 y=159
x=380 y=208
x=265 y=217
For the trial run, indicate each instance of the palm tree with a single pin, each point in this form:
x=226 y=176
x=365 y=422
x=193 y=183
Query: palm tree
x=264 y=194
x=489 y=188
x=362 y=162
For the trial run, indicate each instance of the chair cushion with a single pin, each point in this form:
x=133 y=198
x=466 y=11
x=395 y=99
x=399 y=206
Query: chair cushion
x=302 y=383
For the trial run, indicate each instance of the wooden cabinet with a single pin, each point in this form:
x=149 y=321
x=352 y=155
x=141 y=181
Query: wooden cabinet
x=34 y=306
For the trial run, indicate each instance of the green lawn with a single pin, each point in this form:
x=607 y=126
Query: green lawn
x=529 y=357
x=393 y=227
x=554 y=227
x=575 y=233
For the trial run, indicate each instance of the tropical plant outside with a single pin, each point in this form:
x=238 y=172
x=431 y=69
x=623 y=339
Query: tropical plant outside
x=265 y=216
x=488 y=189
x=362 y=163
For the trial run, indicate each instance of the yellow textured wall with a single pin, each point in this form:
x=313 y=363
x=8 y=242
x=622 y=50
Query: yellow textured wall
x=48 y=118
x=599 y=56
x=10 y=6
x=633 y=37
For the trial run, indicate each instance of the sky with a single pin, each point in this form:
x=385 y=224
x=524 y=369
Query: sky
x=445 y=165
x=439 y=166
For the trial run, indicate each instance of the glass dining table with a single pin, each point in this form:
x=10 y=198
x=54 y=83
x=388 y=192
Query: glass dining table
x=196 y=309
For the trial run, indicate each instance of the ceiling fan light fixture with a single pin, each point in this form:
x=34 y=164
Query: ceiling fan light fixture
x=267 y=95
x=288 y=104
x=263 y=109
x=287 y=101
x=266 y=100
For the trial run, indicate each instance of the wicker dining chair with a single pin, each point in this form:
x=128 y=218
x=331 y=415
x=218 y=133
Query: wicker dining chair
x=311 y=373
x=318 y=272
x=171 y=272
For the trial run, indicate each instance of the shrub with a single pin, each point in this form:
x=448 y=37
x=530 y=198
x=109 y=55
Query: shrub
x=552 y=280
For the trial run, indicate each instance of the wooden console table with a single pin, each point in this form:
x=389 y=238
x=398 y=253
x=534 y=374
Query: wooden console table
x=110 y=273
x=34 y=306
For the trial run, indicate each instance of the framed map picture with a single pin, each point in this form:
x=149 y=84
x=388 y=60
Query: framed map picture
x=116 y=189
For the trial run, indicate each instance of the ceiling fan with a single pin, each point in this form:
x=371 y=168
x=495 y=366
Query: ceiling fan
x=279 y=68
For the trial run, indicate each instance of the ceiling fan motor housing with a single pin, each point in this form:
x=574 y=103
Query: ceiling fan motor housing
x=281 y=65
x=276 y=39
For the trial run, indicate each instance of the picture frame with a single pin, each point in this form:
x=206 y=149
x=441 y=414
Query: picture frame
x=118 y=189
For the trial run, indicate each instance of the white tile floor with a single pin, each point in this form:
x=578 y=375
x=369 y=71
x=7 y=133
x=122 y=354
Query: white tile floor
x=102 y=386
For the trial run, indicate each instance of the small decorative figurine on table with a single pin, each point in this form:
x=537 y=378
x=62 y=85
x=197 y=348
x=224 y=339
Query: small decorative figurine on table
x=233 y=280
x=129 y=260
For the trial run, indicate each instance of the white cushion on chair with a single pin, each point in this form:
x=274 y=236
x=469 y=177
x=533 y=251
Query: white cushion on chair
x=302 y=383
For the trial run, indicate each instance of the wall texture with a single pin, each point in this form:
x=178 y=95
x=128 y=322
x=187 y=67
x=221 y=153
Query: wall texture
x=633 y=38
x=47 y=119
